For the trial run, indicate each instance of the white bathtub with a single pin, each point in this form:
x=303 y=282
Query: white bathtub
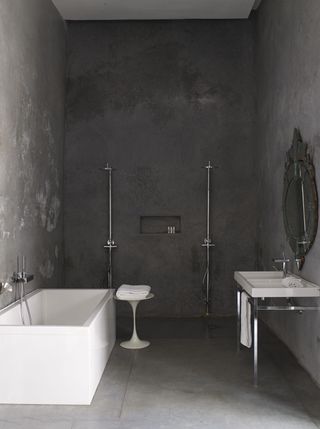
x=61 y=357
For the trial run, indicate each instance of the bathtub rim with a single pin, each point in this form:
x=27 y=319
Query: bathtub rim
x=67 y=328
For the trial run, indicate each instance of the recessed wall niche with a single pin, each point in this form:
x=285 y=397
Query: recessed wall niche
x=160 y=224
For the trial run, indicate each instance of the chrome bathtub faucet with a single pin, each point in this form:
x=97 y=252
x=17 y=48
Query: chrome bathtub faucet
x=21 y=276
x=18 y=277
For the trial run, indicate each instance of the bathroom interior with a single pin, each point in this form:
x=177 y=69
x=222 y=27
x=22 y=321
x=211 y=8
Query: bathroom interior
x=168 y=144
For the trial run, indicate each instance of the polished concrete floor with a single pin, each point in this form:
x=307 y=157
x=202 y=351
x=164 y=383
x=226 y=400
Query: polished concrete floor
x=190 y=377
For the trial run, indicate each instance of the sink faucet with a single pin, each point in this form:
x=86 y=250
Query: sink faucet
x=284 y=261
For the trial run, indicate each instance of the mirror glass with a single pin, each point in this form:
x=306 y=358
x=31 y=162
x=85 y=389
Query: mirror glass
x=300 y=199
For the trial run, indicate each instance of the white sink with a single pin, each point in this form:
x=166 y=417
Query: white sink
x=268 y=284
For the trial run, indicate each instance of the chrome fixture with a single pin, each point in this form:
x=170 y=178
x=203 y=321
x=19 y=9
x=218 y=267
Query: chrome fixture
x=22 y=276
x=284 y=261
x=5 y=285
x=207 y=243
x=19 y=277
x=110 y=244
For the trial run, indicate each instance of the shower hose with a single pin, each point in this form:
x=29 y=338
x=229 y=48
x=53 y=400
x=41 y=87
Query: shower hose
x=22 y=299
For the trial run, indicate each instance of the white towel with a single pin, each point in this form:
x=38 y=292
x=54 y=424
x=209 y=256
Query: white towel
x=246 y=334
x=291 y=282
x=133 y=291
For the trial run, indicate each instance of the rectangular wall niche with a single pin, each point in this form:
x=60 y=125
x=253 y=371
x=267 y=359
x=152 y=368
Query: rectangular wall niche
x=159 y=224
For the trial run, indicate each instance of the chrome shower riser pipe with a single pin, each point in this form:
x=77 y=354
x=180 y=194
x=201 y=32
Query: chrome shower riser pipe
x=207 y=242
x=110 y=245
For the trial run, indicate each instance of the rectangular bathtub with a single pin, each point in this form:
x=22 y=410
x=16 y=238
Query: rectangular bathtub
x=61 y=357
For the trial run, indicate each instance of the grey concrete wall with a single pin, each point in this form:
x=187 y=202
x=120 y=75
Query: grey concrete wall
x=288 y=70
x=32 y=89
x=158 y=100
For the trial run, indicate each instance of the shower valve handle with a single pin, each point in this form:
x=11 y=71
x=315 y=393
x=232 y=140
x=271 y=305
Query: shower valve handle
x=110 y=245
x=207 y=243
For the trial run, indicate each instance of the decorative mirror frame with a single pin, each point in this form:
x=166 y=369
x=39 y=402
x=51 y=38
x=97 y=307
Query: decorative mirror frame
x=298 y=158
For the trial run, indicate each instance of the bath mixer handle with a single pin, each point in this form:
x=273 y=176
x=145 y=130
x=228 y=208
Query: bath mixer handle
x=22 y=277
x=5 y=286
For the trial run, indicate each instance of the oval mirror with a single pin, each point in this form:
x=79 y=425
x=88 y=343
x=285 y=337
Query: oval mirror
x=300 y=199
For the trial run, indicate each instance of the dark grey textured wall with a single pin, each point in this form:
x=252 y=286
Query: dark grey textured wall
x=288 y=70
x=32 y=89
x=158 y=100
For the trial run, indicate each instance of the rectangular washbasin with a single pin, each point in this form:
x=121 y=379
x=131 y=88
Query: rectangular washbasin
x=268 y=284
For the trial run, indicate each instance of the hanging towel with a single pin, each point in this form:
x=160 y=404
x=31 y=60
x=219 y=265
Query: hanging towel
x=245 y=334
x=133 y=291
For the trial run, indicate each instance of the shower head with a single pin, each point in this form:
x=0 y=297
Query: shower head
x=106 y=168
x=210 y=166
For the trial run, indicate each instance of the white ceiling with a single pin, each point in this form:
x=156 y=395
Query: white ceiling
x=153 y=9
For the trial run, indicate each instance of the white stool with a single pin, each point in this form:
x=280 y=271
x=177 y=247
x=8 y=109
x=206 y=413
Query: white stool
x=135 y=342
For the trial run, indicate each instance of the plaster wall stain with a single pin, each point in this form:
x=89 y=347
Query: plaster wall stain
x=42 y=200
x=147 y=84
x=53 y=214
x=46 y=269
x=32 y=80
x=48 y=208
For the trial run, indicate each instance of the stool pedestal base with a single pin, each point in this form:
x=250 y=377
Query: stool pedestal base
x=134 y=342
x=140 y=344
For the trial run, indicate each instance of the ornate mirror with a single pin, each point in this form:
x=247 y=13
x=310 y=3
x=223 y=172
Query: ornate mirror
x=300 y=199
